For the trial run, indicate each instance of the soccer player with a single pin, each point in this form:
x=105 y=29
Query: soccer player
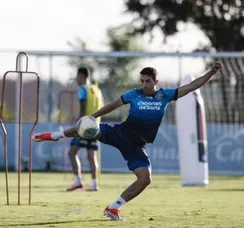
x=147 y=107
x=90 y=145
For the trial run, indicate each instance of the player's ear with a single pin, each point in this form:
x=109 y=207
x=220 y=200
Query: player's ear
x=156 y=81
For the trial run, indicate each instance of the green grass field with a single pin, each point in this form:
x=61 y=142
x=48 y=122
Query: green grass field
x=164 y=204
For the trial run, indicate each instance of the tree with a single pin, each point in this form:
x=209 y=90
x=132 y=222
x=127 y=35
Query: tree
x=221 y=21
x=112 y=73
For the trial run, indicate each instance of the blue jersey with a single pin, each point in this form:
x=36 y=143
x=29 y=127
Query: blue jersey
x=82 y=93
x=147 y=111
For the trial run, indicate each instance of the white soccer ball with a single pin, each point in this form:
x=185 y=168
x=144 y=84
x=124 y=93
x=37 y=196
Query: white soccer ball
x=87 y=127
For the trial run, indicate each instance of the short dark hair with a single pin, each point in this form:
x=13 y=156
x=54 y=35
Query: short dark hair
x=150 y=71
x=84 y=71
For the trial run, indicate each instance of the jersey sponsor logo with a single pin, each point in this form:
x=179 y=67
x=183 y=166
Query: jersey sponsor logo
x=149 y=105
x=159 y=96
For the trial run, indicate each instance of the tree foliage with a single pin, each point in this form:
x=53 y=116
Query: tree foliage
x=220 y=20
x=113 y=70
x=112 y=73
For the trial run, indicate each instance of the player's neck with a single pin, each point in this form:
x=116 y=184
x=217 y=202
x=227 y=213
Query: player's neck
x=150 y=93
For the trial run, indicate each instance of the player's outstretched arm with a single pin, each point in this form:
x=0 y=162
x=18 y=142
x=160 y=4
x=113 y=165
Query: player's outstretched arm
x=71 y=132
x=108 y=108
x=197 y=83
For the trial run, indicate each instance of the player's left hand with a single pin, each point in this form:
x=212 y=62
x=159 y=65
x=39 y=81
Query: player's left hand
x=216 y=67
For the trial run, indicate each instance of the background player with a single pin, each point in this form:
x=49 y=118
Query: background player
x=87 y=107
x=147 y=108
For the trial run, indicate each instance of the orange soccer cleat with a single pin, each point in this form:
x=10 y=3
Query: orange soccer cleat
x=114 y=214
x=44 y=136
x=74 y=187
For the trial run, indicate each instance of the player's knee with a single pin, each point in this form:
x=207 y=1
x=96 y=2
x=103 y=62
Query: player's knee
x=145 y=180
x=144 y=175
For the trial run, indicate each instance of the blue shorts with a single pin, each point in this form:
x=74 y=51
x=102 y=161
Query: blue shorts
x=131 y=148
x=89 y=144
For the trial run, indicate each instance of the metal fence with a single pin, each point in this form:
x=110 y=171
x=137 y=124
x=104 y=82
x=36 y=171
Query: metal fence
x=223 y=95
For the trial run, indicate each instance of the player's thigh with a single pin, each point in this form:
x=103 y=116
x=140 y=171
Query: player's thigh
x=73 y=150
x=74 y=146
x=92 y=148
x=112 y=135
x=92 y=145
x=136 y=157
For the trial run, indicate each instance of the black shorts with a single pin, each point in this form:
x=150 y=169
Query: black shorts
x=89 y=144
x=132 y=150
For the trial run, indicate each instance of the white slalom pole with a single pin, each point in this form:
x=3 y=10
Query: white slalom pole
x=192 y=138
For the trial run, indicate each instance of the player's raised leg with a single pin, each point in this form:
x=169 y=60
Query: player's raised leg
x=56 y=136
